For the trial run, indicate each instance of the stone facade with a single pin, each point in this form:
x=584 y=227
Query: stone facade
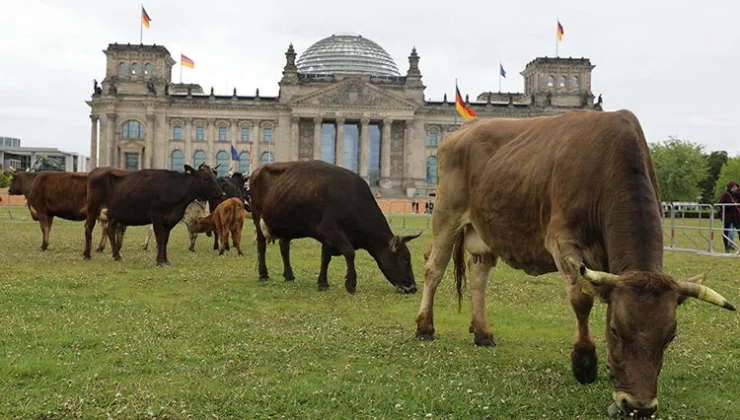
x=380 y=126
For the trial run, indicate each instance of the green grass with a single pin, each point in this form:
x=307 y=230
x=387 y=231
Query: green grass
x=204 y=339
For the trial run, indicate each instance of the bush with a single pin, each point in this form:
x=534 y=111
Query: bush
x=4 y=181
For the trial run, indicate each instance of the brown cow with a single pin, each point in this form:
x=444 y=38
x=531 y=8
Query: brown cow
x=335 y=206
x=227 y=218
x=564 y=193
x=53 y=193
x=149 y=196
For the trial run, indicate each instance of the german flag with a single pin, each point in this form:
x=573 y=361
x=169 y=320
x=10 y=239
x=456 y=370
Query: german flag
x=145 y=19
x=560 y=31
x=462 y=109
x=186 y=62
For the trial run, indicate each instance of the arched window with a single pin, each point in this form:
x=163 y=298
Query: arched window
x=148 y=69
x=178 y=161
x=433 y=138
x=551 y=81
x=267 y=157
x=575 y=82
x=132 y=129
x=432 y=170
x=563 y=81
x=222 y=158
x=198 y=158
x=244 y=163
x=122 y=68
x=135 y=68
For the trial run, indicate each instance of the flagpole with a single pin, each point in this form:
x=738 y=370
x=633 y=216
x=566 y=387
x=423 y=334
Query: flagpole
x=141 y=25
x=499 y=76
x=180 y=67
x=557 y=30
x=456 y=102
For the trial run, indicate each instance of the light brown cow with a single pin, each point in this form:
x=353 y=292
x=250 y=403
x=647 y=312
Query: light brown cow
x=53 y=193
x=227 y=218
x=564 y=193
x=193 y=211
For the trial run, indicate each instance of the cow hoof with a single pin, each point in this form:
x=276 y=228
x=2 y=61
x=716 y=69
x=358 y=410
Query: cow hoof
x=323 y=287
x=86 y=258
x=191 y=249
x=351 y=288
x=425 y=337
x=264 y=279
x=163 y=264
x=585 y=364
x=99 y=250
x=289 y=277
x=485 y=342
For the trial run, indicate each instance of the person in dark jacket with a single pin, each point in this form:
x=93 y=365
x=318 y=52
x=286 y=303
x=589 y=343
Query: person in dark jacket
x=730 y=213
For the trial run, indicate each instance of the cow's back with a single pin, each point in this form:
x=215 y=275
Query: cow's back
x=563 y=173
x=60 y=194
x=293 y=197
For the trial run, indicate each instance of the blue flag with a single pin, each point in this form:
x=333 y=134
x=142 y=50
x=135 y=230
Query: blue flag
x=502 y=71
x=234 y=154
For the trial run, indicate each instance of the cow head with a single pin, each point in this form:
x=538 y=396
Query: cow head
x=640 y=324
x=21 y=182
x=206 y=185
x=394 y=261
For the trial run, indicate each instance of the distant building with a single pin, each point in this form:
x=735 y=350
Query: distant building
x=343 y=101
x=12 y=155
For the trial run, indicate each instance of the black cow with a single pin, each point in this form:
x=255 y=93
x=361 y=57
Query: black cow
x=137 y=198
x=315 y=199
x=232 y=186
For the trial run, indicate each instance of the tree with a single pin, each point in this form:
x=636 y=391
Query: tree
x=680 y=166
x=730 y=172
x=4 y=181
x=715 y=161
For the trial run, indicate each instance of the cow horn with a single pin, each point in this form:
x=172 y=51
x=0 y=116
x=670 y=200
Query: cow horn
x=704 y=293
x=595 y=277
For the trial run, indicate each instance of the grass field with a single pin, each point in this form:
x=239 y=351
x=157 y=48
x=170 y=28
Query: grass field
x=204 y=339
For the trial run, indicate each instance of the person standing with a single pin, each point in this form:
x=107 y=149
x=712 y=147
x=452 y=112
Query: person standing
x=730 y=213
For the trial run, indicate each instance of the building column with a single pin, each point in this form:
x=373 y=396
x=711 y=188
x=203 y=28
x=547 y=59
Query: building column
x=385 y=150
x=256 y=139
x=94 y=142
x=211 y=139
x=317 y=121
x=187 y=137
x=294 y=141
x=149 y=143
x=339 y=159
x=364 y=146
x=112 y=143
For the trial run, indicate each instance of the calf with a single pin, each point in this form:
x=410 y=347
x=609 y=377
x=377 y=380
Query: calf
x=137 y=198
x=315 y=199
x=227 y=218
x=232 y=186
x=53 y=193
x=193 y=211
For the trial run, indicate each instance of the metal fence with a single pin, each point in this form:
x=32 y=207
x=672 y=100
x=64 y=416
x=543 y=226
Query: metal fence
x=687 y=227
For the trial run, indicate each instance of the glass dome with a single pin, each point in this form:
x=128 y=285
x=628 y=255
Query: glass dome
x=349 y=54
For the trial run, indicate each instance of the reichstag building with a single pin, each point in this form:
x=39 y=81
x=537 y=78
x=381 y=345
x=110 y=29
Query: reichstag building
x=343 y=101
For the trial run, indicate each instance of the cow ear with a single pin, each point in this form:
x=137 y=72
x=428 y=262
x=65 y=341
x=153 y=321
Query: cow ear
x=189 y=169
x=395 y=241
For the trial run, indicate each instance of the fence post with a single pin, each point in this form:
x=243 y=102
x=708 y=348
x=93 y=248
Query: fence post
x=711 y=230
x=673 y=225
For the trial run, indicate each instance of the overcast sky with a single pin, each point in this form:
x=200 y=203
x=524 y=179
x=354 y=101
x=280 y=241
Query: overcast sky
x=675 y=65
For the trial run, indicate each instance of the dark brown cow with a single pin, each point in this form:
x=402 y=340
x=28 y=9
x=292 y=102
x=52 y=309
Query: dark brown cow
x=227 y=218
x=564 y=193
x=333 y=205
x=137 y=198
x=53 y=193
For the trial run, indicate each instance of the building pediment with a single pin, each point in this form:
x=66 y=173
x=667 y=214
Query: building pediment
x=354 y=93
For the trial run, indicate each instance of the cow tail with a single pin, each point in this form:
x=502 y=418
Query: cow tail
x=458 y=258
